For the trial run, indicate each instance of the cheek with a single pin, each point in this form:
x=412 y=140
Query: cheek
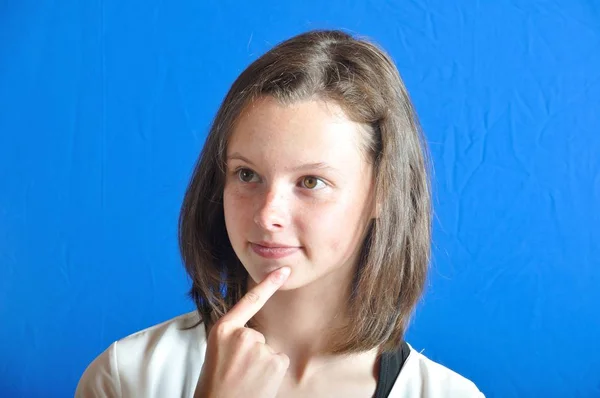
x=333 y=227
x=234 y=208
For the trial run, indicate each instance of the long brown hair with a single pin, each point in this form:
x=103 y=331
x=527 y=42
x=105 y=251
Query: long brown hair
x=360 y=77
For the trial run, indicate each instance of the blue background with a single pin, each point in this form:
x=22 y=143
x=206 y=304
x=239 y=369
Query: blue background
x=105 y=105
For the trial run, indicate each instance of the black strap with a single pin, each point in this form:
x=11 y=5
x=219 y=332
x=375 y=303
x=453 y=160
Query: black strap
x=389 y=368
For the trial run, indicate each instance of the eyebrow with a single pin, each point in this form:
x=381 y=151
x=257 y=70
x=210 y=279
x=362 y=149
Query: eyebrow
x=308 y=166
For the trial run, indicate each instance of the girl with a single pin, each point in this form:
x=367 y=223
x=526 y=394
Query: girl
x=306 y=232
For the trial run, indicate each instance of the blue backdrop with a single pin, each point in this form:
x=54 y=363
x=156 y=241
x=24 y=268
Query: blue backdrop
x=105 y=105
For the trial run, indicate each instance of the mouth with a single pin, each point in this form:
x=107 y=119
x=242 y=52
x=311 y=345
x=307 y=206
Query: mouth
x=273 y=251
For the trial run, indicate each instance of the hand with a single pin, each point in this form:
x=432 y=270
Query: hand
x=238 y=362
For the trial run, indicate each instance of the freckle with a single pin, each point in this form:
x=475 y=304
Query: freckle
x=335 y=244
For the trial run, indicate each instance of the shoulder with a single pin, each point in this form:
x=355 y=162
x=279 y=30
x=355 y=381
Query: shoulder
x=422 y=377
x=164 y=357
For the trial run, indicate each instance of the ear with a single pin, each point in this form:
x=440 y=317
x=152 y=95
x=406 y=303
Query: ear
x=376 y=202
x=376 y=210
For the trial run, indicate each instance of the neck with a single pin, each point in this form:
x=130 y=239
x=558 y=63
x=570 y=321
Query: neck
x=300 y=322
x=303 y=319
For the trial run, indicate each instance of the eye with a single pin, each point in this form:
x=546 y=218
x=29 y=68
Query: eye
x=245 y=175
x=311 y=182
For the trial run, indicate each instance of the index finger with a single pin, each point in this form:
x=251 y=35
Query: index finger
x=256 y=298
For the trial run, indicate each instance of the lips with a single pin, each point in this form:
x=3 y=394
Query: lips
x=273 y=250
x=272 y=244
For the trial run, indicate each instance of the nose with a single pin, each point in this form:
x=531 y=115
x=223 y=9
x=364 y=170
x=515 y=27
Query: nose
x=272 y=210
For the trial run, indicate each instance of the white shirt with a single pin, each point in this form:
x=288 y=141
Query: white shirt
x=165 y=361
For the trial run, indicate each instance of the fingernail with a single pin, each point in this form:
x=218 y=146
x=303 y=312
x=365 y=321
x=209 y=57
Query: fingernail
x=283 y=273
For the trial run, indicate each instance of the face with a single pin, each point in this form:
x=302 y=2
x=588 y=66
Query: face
x=298 y=191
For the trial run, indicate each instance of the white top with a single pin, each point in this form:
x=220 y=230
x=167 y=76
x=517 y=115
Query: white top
x=165 y=361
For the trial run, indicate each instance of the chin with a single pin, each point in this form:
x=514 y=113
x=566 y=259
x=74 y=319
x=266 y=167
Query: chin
x=258 y=274
x=290 y=284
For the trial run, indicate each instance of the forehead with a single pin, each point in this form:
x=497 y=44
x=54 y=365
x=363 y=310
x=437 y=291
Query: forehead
x=312 y=130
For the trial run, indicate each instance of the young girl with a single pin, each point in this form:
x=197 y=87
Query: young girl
x=306 y=232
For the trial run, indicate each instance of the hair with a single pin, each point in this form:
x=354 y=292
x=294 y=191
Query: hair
x=362 y=79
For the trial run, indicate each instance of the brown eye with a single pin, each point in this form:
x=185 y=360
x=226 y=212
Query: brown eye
x=311 y=182
x=245 y=175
